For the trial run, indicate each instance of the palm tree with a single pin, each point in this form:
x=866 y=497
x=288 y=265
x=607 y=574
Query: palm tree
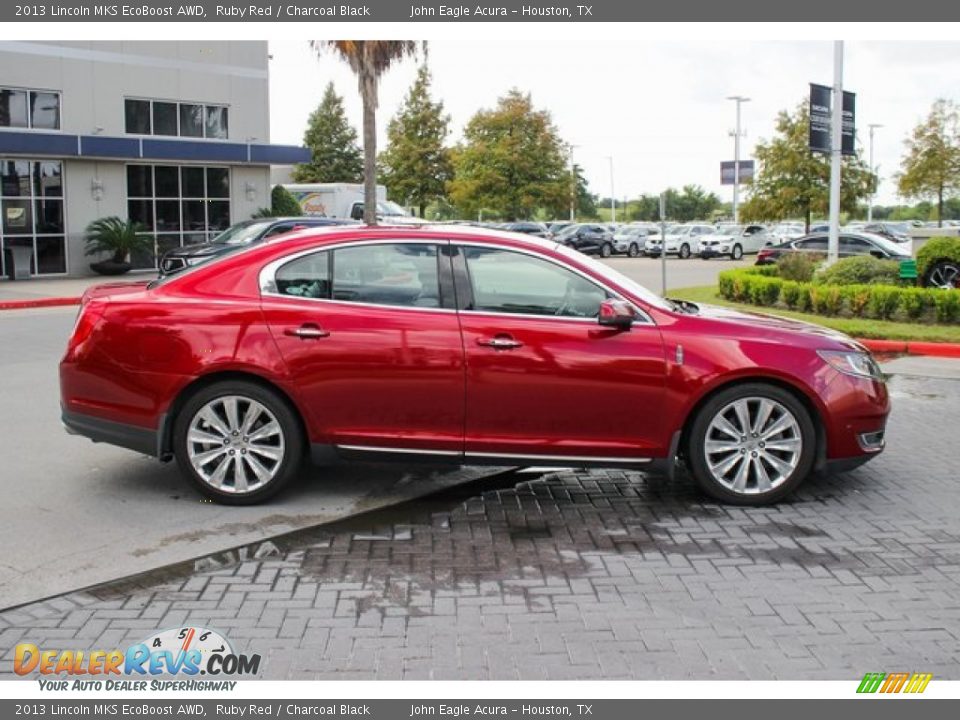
x=368 y=59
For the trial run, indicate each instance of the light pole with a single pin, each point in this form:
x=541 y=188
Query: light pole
x=739 y=100
x=613 y=202
x=872 y=126
x=836 y=152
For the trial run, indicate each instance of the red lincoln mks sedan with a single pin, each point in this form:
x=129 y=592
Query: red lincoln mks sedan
x=463 y=345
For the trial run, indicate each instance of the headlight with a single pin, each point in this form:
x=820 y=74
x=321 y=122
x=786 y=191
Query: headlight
x=852 y=363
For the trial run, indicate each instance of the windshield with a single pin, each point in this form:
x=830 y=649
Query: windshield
x=386 y=207
x=241 y=233
x=568 y=231
x=608 y=273
x=729 y=229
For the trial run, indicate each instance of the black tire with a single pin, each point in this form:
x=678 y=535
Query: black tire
x=737 y=252
x=696 y=455
x=684 y=252
x=606 y=250
x=286 y=417
x=633 y=251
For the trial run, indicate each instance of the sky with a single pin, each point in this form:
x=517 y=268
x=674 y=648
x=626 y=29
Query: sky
x=657 y=107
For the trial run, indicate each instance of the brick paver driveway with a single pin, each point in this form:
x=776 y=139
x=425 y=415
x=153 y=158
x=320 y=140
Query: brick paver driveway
x=586 y=575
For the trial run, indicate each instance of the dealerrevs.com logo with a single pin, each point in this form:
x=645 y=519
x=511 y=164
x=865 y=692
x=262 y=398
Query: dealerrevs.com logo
x=887 y=683
x=188 y=651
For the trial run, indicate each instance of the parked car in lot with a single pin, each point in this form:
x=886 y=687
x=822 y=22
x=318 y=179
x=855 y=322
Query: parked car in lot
x=528 y=228
x=238 y=236
x=588 y=238
x=734 y=241
x=850 y=244
x=898 y=232
x=787 y=231
x=459 y=345
x=681 y=240
x=629 y=240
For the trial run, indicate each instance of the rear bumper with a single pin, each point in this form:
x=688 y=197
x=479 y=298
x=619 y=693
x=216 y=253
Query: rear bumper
x=131 y=437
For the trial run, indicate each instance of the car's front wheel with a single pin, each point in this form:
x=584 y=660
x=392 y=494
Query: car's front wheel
x=606 y=250
x=684 y=251
x=633 y=251
x=737 y=252
x=751 y=444
x=239 y=443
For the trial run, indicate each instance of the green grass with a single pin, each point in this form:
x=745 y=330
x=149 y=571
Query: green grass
x=855 y=327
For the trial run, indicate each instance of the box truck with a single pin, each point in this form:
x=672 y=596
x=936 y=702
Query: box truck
x=345 y=200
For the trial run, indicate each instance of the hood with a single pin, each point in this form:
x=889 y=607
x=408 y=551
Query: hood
x=196 y=249
x=115 y=288
x=776 y=324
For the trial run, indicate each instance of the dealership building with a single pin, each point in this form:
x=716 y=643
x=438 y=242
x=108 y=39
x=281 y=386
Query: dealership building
x=173 y=135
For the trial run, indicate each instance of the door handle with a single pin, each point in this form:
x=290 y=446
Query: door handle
x=307 y=332
x=500 y=342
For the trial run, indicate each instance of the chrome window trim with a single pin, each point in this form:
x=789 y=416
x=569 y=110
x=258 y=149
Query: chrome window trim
x=266 y=278
x=643 y=316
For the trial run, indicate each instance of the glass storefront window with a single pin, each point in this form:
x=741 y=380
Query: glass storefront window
x=177 y=204
x=160 y=117
x=38 y=109
x=44 y=110
x=32 y=213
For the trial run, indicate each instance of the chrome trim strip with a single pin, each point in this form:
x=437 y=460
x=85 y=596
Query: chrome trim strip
x=565 y=458
x=406 y=451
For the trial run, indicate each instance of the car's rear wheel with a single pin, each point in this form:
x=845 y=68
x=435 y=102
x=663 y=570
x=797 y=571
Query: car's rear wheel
x=737 y=252
x=606 y=250
x=684 y=251
x=633 y=251
x=751 y=444
x=239 y=443
x=944 y=274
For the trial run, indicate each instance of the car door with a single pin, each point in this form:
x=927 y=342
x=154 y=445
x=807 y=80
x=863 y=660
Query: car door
x=544 y=379
x=371 y=341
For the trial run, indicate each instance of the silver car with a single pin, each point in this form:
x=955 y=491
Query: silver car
x=630 y=240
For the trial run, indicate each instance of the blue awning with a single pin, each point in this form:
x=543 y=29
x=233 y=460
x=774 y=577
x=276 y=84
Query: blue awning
x=41 y=144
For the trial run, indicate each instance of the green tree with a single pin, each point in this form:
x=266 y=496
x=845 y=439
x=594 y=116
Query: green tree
x=511 y=162
x=416 y=166
x=369 y=60
x=335 y=156
x=694 y=203
x=791 y=181
x=282 y=204
x=931 y=165
x=586 y=203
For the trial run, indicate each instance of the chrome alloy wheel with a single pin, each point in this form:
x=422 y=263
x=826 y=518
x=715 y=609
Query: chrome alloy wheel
x=945 y=275
x=235 y=444
x=753 y=445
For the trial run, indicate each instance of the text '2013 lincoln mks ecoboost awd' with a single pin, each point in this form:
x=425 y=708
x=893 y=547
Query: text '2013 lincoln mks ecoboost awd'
x=463 y=345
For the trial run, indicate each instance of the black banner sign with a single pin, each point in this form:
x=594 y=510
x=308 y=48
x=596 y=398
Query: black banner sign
x=821 y=101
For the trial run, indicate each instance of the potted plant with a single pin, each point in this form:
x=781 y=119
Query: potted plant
x=119 y=238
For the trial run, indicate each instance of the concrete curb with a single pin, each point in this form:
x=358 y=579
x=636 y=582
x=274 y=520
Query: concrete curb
x=910 y=347
x=38 y=303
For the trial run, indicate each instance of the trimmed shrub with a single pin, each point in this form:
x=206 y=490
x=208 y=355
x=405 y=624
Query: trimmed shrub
x=936 y=249
x=790 y=293
x=825 y=299
x=856 y=297
x=798 y=266
x=804 y=301
x=947 y=305
x=861 y=270
x=914 y=302
x=883 y=301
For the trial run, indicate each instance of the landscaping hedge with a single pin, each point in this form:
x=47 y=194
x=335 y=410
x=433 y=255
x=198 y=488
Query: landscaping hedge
x=761 y=286
x=936 y=249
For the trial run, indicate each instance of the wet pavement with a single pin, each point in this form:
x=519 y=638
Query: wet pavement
x=576 y=574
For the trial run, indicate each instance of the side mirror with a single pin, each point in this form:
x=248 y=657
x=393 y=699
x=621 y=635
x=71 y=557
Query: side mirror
x=616 y=313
